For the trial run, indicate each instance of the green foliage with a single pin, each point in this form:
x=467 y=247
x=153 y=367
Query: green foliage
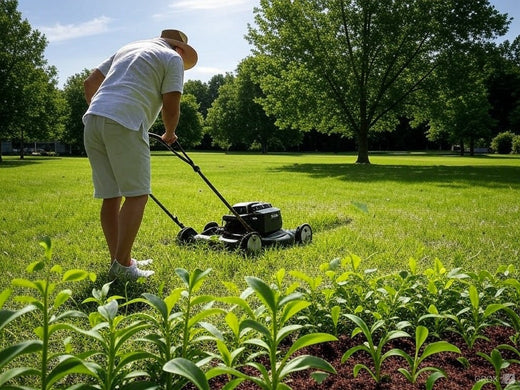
x=515 y=145
x=414 y=362
x=350 y=66
x=375 y=351
x=236 y=119
x=273 y=326
x=499 y=363
x=182 y=337
x=42 y=297
x=471 y=320
x=503 y=142
x=31 y=106
x=74 y=94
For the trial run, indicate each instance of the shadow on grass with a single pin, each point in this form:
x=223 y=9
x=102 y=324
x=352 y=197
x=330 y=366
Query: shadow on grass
x=448 y=176
x=18 y=163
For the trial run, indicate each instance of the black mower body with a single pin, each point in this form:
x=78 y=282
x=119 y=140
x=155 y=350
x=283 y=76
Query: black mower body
x=266 y=230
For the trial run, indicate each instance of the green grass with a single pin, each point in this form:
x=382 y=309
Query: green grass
x=464 y=211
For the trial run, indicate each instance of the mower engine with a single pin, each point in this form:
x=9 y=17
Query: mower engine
x=261 y=216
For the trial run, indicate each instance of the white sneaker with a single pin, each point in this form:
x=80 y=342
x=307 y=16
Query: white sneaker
x=141 y=263
x=118 y=271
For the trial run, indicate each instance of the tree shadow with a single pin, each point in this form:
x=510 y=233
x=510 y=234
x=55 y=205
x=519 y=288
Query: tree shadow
x=18 y=163
x=447 y=176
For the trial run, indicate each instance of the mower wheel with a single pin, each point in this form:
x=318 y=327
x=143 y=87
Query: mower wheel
x=251 y=243
x=303 y=234
x=210 y=226
x=186 y=235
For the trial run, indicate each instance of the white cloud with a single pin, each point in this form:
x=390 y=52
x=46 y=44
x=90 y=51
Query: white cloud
x=206 y=70
x=60 y=32
x=193 y=5
x=205 y=5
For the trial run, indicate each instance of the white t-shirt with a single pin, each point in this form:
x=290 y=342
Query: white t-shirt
x=135 y=79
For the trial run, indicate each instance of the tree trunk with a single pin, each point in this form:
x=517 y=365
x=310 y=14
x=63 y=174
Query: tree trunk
x=362 y=141
x=462 y=147
x=22 y=145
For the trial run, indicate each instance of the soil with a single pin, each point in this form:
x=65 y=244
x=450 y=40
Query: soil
x=458 y=376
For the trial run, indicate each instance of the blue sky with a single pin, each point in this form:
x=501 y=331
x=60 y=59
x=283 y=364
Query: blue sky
x=82 y=33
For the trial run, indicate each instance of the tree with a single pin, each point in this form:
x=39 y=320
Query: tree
x=30 y=103
x=73 y=93
x=457 y=105
x=237 y=119
x=503 y=85
x=201 y=92
x=351 y=66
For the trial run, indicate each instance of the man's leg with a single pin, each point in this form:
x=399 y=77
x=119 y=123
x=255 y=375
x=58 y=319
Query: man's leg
x=130 y=217
x=109 y=217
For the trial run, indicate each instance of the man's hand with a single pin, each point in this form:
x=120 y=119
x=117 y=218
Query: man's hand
x=169 y=138
x=171 y=111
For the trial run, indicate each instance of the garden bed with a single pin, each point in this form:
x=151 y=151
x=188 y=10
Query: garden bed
x=459 y=376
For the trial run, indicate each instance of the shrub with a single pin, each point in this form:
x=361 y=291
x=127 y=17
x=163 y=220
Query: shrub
x=516 y=145
x=503 y=142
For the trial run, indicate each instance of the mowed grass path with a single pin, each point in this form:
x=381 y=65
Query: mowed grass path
x=463 y=210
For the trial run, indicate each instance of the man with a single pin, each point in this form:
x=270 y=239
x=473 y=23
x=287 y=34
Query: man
x=125 y=95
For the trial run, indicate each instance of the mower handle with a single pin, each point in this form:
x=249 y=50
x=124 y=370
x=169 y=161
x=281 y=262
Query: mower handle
x=184 y=157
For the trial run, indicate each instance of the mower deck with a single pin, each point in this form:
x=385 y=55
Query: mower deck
x=249 y=242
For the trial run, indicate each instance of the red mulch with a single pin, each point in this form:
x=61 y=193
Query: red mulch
x=459 y=377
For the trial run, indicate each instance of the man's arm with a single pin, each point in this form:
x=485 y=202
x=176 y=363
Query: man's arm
x=171 y=112
x=92 y=83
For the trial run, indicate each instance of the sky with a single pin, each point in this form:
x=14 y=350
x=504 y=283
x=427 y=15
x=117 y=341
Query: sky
x=82 y=33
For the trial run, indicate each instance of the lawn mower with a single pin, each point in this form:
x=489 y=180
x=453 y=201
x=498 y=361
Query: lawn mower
x=249 y=227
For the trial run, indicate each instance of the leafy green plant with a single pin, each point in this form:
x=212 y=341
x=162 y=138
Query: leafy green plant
x=351 y=288
x=111 y=361
x=370 y=347
x=412 y=374
x=273 y=328
x=176 y=334
x=48 y=303
x=499 y=364
x=14 y=351
x=470 y=321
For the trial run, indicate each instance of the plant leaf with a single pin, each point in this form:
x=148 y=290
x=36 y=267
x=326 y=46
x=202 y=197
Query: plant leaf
x=13 y=351
x=473 y=296
x=188 y=370
x=62 y=297
x=437 y=347
x=6 y=316
x=310 y=339
x=109 y=311
x=305 y=362
x=75 y=275
x=263 y=291
x=16 y=372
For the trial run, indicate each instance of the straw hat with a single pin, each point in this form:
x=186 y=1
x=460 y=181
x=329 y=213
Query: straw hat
x=179 y=39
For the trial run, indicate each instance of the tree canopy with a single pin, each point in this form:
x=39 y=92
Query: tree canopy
x=31 y=106
x=354 y=66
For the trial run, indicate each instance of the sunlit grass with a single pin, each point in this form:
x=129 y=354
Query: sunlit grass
x=464 y=211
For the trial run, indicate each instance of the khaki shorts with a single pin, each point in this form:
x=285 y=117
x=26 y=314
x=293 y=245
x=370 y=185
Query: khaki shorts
x=119 y=157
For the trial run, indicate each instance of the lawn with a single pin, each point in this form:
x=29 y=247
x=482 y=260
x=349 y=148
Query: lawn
x=440 y=210
x=462 y=210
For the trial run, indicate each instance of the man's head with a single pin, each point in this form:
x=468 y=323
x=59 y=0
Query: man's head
x=177 y=39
